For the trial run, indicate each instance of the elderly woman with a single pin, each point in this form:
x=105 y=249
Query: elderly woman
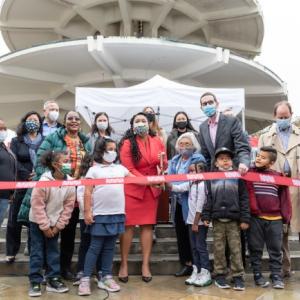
x=8 y=170
x=188 y=149
x=140 y=152
x=67 y=138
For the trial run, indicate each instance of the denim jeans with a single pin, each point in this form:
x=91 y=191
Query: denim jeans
x=3 y=209
x=40 y=244
x=85 y=241
x=199 y=247
x=103 y=248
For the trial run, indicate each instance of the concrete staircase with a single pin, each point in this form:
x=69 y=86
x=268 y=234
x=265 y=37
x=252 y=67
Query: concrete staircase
x=164 y=254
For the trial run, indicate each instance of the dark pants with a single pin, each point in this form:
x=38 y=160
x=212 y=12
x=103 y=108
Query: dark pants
x=14 y=228
x=182 y=233
x=85 y=240
x=67 y=241
x=103 y=248
x=265 y=232
x=199 y=247
x=37 y=255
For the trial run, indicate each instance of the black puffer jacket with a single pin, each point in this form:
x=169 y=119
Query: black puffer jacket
x=8 y=169
x=227 y=199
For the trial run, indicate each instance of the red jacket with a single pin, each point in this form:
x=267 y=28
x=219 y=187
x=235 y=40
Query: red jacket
x=266 y=205
x=147 y=166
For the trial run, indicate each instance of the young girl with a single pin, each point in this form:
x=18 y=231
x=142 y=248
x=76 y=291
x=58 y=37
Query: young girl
x=50 y=211
x=197 y=231
x=104 y=211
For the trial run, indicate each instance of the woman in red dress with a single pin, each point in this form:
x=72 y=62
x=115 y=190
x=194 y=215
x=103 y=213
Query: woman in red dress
x=140 y=153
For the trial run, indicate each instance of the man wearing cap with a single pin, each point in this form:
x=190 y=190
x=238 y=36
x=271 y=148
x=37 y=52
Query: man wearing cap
x=285 y=138
x=221 y=130
x=51 y=114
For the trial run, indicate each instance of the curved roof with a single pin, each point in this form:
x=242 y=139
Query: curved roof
x=29 y=77
x=232 y=24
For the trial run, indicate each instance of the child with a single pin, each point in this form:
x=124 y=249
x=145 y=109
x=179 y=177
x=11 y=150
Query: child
x=270 y=207
x=227 y=206
x=85 y=237
x=197 y=231
x=104 y=210
x=50 y=211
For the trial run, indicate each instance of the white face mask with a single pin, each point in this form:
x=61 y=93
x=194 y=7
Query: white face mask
x=3 y=135
x=110 y=156
x=53 y=115
x=102 y=125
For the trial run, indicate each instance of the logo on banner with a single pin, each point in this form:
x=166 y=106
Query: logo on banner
x=296 y=182
x=267 y=178
x=26 y=185
x=195 y=176
x=114 y=180
x=232 y=174
x=156 y=178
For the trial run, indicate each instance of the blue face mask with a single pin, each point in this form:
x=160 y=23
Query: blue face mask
x=210 y=110
x=283 y=124
x=187 y=152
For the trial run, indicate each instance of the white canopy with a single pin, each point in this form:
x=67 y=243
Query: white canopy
x=165 y=96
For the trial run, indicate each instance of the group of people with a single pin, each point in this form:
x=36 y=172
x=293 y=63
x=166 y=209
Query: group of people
x=243 y=214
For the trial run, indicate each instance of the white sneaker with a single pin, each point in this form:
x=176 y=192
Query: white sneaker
x=193 y=277
x=203 y=278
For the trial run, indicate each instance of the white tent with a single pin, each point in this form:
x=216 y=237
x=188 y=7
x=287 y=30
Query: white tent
x=165 y=96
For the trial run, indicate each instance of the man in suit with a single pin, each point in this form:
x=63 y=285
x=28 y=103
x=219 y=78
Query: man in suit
x=285 y=138
x=221 y=130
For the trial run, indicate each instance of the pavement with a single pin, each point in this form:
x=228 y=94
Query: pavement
x=160 y=288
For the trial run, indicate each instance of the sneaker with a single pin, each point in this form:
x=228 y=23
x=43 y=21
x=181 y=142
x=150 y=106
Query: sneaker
x=98 y=277
x=84 y=288
x=78 y=276
x=260 y=280
x=277 y=282
x=10 y=259
x=56 y=285
x=193 y=277
x=221 y=282
x=238 y=283
x=203 y=278
x=108 y=283
x=35 y=290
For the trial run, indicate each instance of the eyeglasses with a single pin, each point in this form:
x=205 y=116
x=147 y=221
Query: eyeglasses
x=210 y=102
x=73 y=118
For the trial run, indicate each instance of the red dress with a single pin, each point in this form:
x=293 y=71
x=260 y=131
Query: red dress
x=141 y=201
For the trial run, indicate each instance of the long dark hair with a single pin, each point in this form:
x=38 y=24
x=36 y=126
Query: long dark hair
x=131 y=136
x=189 y=124
x=100 y=148
x=94 y=128
x=21 y=129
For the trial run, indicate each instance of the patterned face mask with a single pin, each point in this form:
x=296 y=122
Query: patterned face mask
x=32 y=126
x=140 y=128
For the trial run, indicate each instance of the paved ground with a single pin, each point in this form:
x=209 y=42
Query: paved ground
x=161 y=287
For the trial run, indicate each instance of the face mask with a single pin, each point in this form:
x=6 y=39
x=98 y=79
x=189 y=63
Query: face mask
x=102 y=125
x=181 y=124
x=66 y=169
x=187 y=152
x=283 y=124
x=32 y=126
x=140 y=128
x=53 y=115
x=3 y=135
x=210 y=110
x=150 y=117
x=110 y=156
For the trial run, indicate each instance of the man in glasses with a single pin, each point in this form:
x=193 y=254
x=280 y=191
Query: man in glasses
x=221 y=130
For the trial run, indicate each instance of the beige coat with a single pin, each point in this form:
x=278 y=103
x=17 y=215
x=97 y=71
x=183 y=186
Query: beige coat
x=292 y=154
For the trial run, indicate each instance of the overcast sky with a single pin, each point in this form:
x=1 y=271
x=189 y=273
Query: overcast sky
x=281 y=45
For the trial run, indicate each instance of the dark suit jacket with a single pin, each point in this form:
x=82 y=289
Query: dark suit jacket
x=230 y=135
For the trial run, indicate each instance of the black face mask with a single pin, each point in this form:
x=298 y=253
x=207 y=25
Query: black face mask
x=150 y=117
x=181 y=124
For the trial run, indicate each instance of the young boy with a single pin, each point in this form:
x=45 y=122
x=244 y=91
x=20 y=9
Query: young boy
x=197 y=231
x=228 y=207
x=270 y=208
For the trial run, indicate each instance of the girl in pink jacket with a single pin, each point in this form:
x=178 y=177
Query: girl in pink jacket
x=51 y=209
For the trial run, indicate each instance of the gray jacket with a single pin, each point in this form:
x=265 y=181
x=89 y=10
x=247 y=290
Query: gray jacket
x=230 y=135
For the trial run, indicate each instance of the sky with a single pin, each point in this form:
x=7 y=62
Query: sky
x=281 y=45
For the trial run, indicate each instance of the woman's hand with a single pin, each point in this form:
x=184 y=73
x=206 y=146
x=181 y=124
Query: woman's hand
x=88 y=218
x=48 y=233
x=31 y=175
x=206 y=223
x=244 y=226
